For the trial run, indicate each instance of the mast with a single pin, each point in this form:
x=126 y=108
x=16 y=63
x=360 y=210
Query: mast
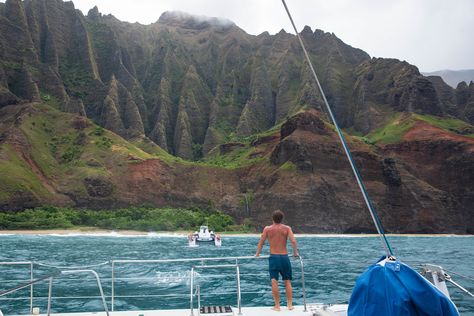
x=367 y=200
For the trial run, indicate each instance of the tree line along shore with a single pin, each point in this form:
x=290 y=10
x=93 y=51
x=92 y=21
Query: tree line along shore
x=144 y=219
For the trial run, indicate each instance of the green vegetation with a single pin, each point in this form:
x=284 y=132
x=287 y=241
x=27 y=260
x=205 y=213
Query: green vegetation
x=98 y=131
x=71 y=153
x=197 y=151
x=17 y=176
x=133 y=218
x=154 y=150
x=50 y=100
x=446 y=123
x=393 y=132
x=55 y=147
x=77 y=81
x=288 y=166
x=241 y=156
x=11 y=65
x=400 y=124
x=104 y=143
x=242 y=151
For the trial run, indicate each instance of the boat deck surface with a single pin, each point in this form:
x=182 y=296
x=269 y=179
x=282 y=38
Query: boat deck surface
x=335 y=310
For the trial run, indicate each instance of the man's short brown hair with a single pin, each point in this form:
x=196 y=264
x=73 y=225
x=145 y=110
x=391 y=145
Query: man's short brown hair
x=277 y=216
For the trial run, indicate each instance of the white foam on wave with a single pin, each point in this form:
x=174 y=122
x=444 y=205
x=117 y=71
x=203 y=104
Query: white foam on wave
x=131 y=234
x=352 y=235
x=89 y=234
x=116 y=234
x=167 y=235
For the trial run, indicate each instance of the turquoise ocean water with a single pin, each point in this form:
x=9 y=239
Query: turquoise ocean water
x=332 y=264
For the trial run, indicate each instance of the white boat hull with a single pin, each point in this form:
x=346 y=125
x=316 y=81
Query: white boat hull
x=312 y=309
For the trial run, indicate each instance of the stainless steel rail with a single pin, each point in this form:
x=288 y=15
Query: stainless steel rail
x=460 y=287
x=29 y=284
x=236 y=262
x=202 y=260
x=198 y=289
x=50 y=287
x=30 y=263
x=99 y=285
x=25 y=285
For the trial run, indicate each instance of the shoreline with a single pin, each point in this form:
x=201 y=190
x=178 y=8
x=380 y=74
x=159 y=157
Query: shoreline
x=90 y=231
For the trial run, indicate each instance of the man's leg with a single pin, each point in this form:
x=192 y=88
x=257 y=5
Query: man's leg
x=289 y=294
x=276 y=294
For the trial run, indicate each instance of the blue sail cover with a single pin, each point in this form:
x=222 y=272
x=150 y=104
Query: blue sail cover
x=390 y=288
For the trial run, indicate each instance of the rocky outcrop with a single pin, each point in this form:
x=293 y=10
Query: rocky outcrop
x=228 y=82
x=17 y=45
x=259 y=111
x=162 y=133
x=190 y=84
x=444 y=161
x=465 y=101
x=420 y=185
x=6 y=96
x=405 y=200
x=119 y=112
x=98 y=187
x=74 y=106
x=22 y=85
x=394 y=84
x=183 y=135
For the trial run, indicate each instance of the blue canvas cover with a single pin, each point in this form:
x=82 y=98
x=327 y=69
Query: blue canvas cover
x=390 y=288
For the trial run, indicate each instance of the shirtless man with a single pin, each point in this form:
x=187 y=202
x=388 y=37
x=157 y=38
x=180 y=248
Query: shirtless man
x=279 y=263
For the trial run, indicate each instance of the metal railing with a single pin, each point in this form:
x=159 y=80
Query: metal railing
x=236 y=263
x=50 y=286
x=202 y=260
x=217 y=266
x=30 y=263
x=99 y=285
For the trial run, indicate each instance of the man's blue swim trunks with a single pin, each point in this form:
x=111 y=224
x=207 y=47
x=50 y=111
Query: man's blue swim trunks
x=279 y=264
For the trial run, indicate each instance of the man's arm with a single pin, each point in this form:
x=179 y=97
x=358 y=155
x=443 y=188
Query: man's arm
x=261 y=242
x=293 y=242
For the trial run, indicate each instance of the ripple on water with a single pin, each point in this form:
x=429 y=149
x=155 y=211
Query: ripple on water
x=332 y=264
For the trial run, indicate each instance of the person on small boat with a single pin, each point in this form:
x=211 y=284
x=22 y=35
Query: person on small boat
x=279 y=263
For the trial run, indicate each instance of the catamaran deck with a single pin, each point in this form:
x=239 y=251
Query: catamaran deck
x=194 y=291
x=312 y=309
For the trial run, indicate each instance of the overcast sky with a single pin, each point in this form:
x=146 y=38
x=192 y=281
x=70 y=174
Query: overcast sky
x=431 y=34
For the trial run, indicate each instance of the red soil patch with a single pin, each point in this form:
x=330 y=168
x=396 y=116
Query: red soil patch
x=425 y=131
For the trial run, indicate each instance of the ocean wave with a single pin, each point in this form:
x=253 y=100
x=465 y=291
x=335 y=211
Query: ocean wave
x=131 y=234
x=117 y=234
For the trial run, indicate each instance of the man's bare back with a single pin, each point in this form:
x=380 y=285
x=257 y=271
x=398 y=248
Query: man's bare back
x=278 y=235
x=278 y=262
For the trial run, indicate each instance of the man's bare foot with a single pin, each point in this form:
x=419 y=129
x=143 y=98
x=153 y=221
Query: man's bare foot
x=276 y=308
x=291 y=308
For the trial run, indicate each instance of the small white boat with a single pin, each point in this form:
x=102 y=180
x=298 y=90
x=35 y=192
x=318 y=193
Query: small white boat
x=204 y=235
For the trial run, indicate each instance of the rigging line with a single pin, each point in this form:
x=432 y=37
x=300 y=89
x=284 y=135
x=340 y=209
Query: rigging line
x=367 y=200
x=460 y=287
x=460 y=275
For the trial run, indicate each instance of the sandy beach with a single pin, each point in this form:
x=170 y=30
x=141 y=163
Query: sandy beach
x=84 y=231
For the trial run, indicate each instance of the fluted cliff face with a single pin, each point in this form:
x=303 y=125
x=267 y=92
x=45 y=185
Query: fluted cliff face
x=189 y=83
x=421 y=184
x=245 y=106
